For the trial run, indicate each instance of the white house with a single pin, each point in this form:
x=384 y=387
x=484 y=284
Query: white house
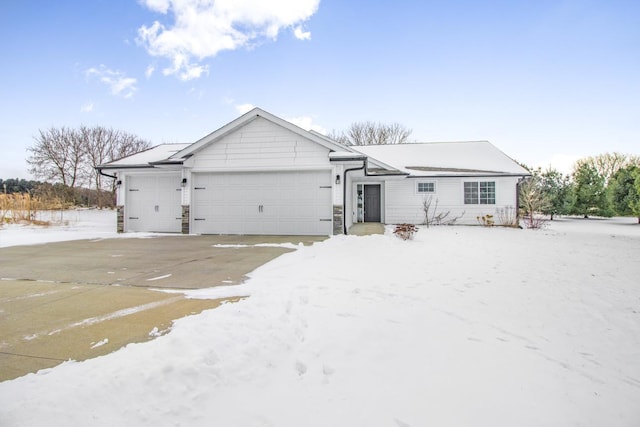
x=260 y=174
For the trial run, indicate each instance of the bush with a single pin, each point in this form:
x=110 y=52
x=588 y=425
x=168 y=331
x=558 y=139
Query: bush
x=405 y=231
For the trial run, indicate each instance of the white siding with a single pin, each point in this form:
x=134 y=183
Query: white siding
x=260 y=145
x=405 y=204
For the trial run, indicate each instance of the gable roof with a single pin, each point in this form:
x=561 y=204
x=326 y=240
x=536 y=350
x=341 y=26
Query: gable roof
x=248 y=117
x=469 y=158
x=147 y=158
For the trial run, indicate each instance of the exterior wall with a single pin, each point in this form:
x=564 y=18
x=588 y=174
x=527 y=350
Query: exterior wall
x=260 y=145
x=405 y=204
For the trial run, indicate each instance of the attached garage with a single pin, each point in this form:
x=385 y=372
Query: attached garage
x=153 y=203
x=276 y=203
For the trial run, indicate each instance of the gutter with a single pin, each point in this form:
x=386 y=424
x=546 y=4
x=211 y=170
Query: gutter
x=106 y=174
x=507 y=175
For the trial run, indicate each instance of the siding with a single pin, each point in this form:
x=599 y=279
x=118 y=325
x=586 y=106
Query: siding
x=261 y=145
x=404 y=204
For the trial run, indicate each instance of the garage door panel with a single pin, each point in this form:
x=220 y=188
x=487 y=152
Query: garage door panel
x=263 y=203
x=153 y=203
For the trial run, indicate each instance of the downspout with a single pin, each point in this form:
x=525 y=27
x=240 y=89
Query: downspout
x=520 y=182
x=106 y=174
x=344 y=191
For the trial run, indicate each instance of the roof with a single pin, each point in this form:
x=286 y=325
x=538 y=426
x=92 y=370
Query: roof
x=155 y=155
x=467 y=158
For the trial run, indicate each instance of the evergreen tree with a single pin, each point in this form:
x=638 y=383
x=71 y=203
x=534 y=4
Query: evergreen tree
x=589 y=196
x=555 y=187
x=622 y=191
x=635 y=204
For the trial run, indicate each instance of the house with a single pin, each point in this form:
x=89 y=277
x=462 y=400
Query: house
x=260 y=174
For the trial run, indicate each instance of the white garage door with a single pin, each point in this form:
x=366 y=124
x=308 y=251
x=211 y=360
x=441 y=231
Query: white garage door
x=153 y=203
x=285 y=203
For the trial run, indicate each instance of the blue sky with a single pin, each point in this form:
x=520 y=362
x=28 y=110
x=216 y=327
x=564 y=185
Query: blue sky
x=545 y=81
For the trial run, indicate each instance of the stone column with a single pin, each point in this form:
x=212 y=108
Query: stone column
x=338 y=220
x=120 y=219
x=185 y=219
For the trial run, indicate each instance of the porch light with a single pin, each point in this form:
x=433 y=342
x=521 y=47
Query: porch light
x=118 y=183
x=338 y=179
x=184 y=182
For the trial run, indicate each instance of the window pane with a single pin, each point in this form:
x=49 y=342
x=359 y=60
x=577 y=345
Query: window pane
x=426 y=187
x=487 y=193
x=470 y=193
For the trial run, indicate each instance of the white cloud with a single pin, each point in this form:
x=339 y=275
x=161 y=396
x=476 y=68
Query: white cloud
x=87 y=108
x=118 y=83
x=306 y=123
x=157 y=5
x=301 y=34
x=244 y=108
x=203 y=28
x=149 y=71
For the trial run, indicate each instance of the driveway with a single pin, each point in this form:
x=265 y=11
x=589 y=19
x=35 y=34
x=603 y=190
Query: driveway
x=58 y=302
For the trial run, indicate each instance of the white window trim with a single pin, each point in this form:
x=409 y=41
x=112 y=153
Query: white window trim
x=477 y=182
x=435 y=187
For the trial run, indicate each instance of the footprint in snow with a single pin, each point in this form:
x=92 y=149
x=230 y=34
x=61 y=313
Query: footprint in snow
x=301 y=368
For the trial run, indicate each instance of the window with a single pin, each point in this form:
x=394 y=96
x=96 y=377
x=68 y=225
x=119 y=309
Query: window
x=483 y=193
x=426 y=187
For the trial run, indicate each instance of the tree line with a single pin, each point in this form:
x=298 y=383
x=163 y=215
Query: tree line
x=67 y=157
x=604 y=185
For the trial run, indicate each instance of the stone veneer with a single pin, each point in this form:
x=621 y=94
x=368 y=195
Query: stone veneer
x=338 y=224
x=120 y=219
x=185 y=219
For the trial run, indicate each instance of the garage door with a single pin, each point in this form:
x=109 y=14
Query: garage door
x=276 y=203
x=153 y=203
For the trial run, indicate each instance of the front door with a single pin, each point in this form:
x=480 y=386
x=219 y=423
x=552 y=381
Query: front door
x=372 y=203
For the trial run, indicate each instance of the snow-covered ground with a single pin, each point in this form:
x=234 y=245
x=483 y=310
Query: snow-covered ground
x=65 y=225
x=463 y=326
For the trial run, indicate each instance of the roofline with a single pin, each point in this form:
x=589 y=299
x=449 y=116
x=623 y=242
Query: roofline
x=116 y=167
x=167 y=162
x=248 y=117
x=495 y=175
x=347 y=159
x=375 y=161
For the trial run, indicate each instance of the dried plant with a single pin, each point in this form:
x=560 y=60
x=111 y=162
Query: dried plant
x=405 y=231
x=433 y=217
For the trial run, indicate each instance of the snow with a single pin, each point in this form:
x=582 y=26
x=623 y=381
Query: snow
x=155 y=154
x=65 y=225
x=444 y=158
x=462 y=326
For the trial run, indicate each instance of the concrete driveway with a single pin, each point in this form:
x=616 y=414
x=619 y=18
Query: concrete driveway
x=58 y=302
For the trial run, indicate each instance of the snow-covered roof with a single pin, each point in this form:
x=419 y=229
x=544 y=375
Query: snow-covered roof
x=158 y=154
x=468 y=158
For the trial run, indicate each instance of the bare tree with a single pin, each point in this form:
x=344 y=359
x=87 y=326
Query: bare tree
x=57 y=155
x=70 y=156
x=533 y=201
x=607 y=164
x=339 y=137
x=371 y=133
x=106 y=144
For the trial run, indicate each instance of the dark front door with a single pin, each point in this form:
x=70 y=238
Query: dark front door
x=372 y=203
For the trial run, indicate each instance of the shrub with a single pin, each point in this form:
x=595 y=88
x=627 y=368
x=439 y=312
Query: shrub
x=405 y=231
